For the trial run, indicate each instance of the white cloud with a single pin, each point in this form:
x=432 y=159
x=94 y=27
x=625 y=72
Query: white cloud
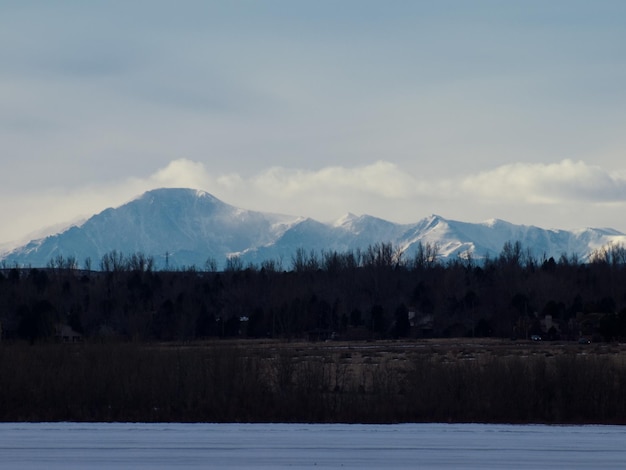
x=554 y=183
x=179 y=173
x=381 y=178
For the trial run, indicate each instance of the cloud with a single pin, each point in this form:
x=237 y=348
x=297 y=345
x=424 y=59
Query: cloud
x=554 y=183
x=381 y=178
x=178 y=173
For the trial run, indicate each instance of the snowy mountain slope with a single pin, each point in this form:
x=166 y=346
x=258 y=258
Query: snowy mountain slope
x=189 y=227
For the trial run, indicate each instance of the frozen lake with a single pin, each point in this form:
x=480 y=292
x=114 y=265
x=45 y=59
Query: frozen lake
x=271 y=446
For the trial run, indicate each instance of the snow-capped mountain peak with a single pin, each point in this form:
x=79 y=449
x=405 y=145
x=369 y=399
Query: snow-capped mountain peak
x=345 y=220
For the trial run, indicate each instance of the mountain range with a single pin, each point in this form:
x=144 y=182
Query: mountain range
x=185 y=227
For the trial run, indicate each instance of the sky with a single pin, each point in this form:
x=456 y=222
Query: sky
x=471 y=110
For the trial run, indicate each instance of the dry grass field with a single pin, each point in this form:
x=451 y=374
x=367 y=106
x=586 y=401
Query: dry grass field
x=439 y=349
x=402 y=355
x=442 y=380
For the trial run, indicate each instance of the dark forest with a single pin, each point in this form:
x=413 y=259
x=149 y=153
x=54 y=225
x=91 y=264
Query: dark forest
x=368 y=295
x=338 y=337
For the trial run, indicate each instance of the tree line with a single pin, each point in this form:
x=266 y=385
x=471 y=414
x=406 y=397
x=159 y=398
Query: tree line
x=373 y=293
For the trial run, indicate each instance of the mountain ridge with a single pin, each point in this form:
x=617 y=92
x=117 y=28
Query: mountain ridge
x=184 y=227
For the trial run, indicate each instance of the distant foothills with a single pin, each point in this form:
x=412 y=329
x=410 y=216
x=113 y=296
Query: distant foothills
x=178 y=229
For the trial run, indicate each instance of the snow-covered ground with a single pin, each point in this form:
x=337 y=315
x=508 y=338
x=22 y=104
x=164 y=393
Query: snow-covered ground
x=269 y=446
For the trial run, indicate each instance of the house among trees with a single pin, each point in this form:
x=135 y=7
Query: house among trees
x=66 y=334
x=422 y=324
x=550 y=327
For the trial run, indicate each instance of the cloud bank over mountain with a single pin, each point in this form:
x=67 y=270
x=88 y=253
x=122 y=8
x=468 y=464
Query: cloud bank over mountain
x=382 y=189
x=189 y=227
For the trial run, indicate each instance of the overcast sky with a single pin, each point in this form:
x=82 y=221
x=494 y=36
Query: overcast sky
x=467 y=109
